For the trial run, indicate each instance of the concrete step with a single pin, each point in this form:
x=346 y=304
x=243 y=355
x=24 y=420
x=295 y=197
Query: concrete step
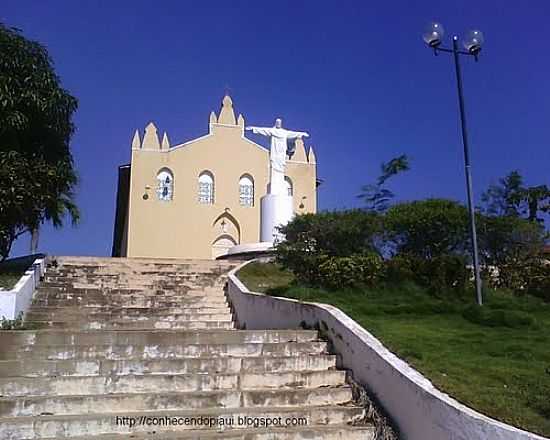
x=326 y=432
x=154 y=303
x=157 y=338
x=160 y=273
x=81 y=286
x=160 y=301
x=163 y=273
x=108 y=299
x=173 y=268
x=99 y=282
x=87 y=385
x=108 y=262
x=130 y=310
x=125 y=277
x=135 y=278
x=153 y=324
x=16 y=428
x=261 y=364
x=121 y=294
x=123 y=306
x=155 y=352
x=126 y=293
x=162 y=401
x=77 y=314
x=161 y=276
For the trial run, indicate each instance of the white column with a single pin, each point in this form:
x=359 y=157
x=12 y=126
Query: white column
x=276 y=182
x=276 y=210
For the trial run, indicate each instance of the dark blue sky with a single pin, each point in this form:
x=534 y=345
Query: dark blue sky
x=355 y=74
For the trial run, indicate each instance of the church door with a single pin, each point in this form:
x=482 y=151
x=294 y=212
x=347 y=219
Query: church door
x=222 y=245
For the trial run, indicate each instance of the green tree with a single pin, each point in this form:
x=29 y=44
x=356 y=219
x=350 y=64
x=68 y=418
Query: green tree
x=537 y=200
x=510 y=197
x=310 y=239
x=37 y=176
x=504 y=198
x=376 y=196
x=427 y=228
x=509 y=246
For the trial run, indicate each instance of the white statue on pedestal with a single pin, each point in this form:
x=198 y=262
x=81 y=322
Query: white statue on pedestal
x=277 y=207
x=279 y=137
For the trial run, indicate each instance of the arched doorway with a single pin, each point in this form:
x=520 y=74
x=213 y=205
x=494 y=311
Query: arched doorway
x=221 y=245
x=226 y=234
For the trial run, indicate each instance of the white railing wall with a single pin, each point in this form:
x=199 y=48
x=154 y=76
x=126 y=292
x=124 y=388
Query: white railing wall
x=419 y=410
x=18 y=300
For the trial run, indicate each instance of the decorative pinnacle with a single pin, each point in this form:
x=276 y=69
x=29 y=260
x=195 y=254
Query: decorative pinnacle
x=136 y=141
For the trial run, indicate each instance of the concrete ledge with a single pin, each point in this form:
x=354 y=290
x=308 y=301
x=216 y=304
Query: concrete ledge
x=18 y=299
x=420 y=411
x=249 y=251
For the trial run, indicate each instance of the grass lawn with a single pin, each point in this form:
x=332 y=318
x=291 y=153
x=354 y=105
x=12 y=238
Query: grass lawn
x=12 y=270
x=495 y=359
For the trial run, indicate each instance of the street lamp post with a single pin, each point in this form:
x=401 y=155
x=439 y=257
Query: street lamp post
x=473 y=42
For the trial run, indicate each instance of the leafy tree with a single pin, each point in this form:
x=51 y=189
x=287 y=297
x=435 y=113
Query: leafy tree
x=427 y=228
x=510 y=197
x=310 y=239
x=536 y=199
x=37 y=177
x=503 y=198
x=510 y=247
x=508 y=239
x=376 y=196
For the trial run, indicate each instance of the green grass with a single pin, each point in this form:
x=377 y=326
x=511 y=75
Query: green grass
x=9 y=277
x=495 y=359
x=13 y=269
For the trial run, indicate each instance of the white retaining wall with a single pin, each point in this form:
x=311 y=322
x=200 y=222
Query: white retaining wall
x=420 y=411
x=17 y=300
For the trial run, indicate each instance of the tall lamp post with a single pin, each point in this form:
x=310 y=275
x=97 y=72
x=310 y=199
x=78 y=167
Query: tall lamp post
x=433 y=37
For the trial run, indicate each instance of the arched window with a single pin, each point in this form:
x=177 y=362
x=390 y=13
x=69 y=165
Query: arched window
x=206 y=188
x=289 y=186
x=165 y=185
x=246 y=190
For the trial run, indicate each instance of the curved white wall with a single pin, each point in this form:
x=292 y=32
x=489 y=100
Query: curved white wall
x=18 y=300
x=420 y=411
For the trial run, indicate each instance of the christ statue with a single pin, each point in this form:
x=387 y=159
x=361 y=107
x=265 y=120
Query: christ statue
x=279 y=137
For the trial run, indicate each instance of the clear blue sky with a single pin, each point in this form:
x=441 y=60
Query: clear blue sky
x=355 y=74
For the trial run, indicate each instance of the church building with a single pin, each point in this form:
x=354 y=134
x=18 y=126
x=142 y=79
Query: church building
x=200 y=198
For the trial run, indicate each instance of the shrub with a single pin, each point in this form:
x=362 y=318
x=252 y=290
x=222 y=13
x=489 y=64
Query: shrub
x=428 y=241
x=399 y=269
x=538 y=282
x=440 y=274
x=509 y=248
x=427 y=228
x=312 y=239
x=12 y=324
x=530 y=276
x=498 y=318
x=443 y=273
x=341 y=272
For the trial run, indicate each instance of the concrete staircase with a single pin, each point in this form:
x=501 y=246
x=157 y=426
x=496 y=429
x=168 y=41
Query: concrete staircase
x=146 y=349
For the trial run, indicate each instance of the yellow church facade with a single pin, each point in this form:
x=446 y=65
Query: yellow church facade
x=200 y=198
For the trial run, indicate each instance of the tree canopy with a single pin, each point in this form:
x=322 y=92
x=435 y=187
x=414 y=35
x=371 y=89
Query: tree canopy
x=37 y=176
x=376 y=196
x=510 y=197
